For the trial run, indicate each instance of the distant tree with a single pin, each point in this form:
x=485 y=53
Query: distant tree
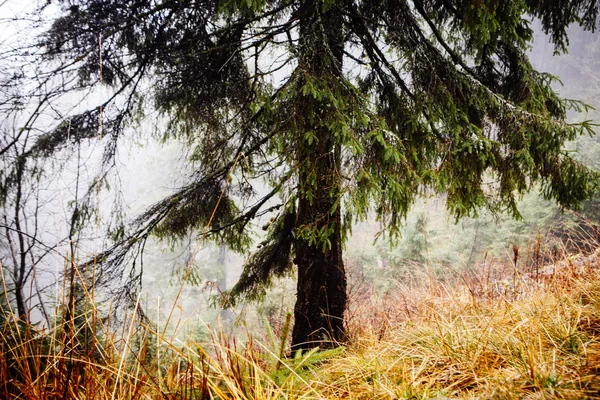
x=417 y=240
x=30 y=202
x=21 y=238
x=346 y=109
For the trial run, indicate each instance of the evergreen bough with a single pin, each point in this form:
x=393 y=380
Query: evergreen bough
x=347 y=109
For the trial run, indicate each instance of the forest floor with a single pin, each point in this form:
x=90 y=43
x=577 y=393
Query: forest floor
x=525 y=337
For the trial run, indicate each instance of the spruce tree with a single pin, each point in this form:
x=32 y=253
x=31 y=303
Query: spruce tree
x=347 y=109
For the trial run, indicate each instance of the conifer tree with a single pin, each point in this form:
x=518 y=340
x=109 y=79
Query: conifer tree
x=347 y=109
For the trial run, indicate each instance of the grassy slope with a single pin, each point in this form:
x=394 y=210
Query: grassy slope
x=544 y=345
x=503 y=339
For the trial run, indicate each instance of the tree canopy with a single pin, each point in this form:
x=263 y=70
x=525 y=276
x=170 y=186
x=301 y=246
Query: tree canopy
x=346 y=109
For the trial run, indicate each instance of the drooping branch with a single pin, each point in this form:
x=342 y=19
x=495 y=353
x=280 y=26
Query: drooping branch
x=272 y=260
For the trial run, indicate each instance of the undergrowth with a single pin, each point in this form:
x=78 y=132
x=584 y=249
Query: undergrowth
x=523 y=338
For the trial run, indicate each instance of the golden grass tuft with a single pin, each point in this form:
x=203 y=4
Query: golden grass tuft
x=546 y=345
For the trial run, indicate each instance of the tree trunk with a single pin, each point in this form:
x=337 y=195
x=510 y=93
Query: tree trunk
x=21 y=265
x=321 y=289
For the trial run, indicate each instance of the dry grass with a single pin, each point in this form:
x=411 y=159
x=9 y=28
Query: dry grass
x=543 y=345
x=534 y=340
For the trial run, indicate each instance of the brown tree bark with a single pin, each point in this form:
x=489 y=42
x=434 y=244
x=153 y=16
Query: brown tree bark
x=321 y=289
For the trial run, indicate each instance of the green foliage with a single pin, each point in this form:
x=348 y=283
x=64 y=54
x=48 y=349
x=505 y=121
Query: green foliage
x=381 y=102
x=304 y=365
x=273 y=259
x=432 y=243
x=417 y=241
x=211 y=204
x=231 y=7
x=556 y=16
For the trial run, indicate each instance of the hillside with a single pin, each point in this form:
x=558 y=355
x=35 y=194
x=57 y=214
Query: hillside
x=527 y=336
